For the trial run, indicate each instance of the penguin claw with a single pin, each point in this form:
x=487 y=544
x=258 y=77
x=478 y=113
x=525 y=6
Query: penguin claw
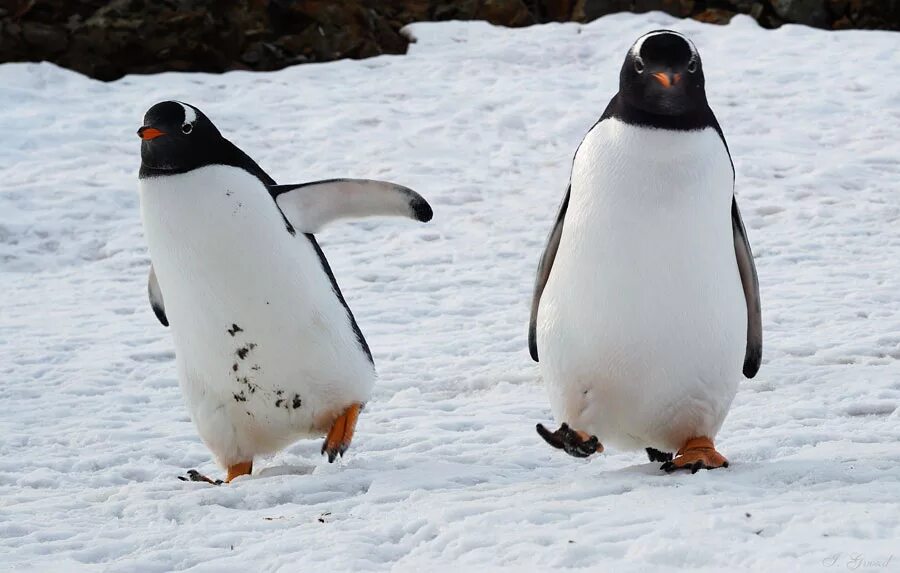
x=552 y=438
x=194 y=475
x=570 y=441
x=658 y=456
x=695 y=467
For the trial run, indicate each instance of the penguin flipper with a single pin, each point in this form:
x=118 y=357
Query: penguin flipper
x=156 y=299
x=543 y=273
x=750 y=282
x=311 y=206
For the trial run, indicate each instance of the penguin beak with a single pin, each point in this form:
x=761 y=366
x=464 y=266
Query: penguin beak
x=148 y=133
x=667 y=80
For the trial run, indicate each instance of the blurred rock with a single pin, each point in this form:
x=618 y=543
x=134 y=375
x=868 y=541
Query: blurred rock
x=715 y=16
x=588 y=10
x=809 y=12
x=680 y=8
x=107 y=39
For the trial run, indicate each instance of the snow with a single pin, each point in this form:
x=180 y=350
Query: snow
x=446 y=469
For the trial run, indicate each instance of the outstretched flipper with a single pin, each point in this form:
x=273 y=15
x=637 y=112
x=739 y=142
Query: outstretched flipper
x=311 y=206
x=575 y=443
x=156 y=299
x=750 y=282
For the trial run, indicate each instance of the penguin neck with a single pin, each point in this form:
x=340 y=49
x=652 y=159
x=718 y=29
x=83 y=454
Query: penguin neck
x=226 y=153
x=696 y=120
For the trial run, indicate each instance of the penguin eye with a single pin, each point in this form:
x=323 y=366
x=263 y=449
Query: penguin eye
x=692 y=66
x=639 y=65
x=186 y=128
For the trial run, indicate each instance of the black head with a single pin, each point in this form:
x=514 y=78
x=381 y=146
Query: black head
x=177 y=137
x=663 y=75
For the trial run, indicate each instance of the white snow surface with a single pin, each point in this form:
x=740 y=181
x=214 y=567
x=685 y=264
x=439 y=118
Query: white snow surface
x=446 y=470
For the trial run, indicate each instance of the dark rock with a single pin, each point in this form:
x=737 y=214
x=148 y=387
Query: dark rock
x=106 y=39
x=588 y=10
x=556 y=10
x=48 y=38
x=715 y=16
x=742 y=6
x=838 y=7
x=875 y=14
x=680 y=8
x=512 y=13
x=501 y=12
x=809 y=12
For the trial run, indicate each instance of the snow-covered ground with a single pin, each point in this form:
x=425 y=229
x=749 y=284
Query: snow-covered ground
x=446 y=469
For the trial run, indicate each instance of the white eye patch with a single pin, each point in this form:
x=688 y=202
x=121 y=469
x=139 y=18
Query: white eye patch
x=190 y=114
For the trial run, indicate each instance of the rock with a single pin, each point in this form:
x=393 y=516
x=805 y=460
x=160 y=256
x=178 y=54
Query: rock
x=680 y=8
x=49 y=39
x=106 y=39
x=512 y=13
x=715 y=16
x=742 y=6
x=756 y=10
x=838 y=7
x=809 y=12
x=501 y=12
x=587 y=10
x=874 y=14
x=842 y=24
x=556 y=10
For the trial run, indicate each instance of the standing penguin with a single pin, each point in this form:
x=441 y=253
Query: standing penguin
x=646 y=305
x=267 y=349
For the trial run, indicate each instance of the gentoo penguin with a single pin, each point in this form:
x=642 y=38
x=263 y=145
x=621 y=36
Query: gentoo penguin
x=646 y=305
x=266 y=347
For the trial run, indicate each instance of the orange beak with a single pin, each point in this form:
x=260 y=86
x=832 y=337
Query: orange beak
x=148 y=133
x=665 y=79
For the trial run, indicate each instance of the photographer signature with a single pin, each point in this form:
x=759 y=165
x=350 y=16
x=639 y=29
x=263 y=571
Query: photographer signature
x=856 y=561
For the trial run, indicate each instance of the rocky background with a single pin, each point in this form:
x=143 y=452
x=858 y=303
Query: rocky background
x=108 y=39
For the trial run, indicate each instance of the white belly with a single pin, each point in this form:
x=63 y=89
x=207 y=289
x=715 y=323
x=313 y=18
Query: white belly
x=223 y=257
x=642 y=324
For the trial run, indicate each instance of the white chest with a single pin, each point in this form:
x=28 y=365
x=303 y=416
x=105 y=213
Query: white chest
x=221 y=249
x=644 y=301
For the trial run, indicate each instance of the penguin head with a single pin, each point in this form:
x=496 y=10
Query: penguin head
x=177 y=137
x=663 y=75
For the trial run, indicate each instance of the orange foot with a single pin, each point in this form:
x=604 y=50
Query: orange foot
x=574 y=442
x=341 y=433
x=241 y=469
x=695 y=455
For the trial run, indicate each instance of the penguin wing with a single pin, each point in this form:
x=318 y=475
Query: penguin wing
x=750 y=282
x=543 y=273
x=311 y=206
x=156 y=299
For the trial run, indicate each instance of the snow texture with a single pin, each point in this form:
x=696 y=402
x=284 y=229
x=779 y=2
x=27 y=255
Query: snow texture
x=446 y=469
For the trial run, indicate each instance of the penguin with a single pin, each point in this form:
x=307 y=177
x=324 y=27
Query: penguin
x=646 y=310
x=266 y=347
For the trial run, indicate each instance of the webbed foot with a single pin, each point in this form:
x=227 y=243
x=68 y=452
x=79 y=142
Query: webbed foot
x=341 y=433
x=696 y=454
x=574 y=442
